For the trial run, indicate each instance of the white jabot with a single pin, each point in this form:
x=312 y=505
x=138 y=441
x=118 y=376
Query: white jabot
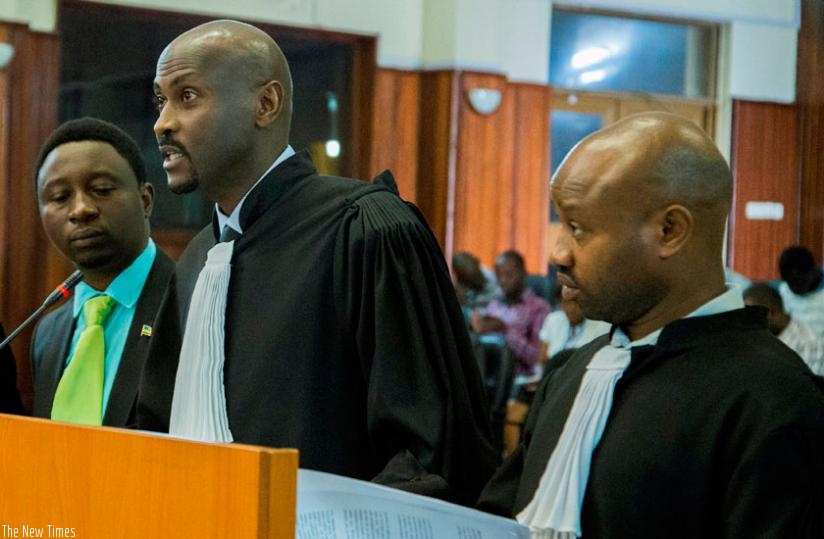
x=199 y=401
x=555 y=510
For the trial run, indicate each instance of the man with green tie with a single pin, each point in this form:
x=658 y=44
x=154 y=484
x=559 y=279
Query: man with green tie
x=95 y=206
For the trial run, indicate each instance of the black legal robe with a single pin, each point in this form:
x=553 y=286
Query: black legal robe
x=344 y=338
x=717 y=431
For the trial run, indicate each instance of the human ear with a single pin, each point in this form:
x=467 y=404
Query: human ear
x=147 y=197
x=269 y=103
x=676 y=226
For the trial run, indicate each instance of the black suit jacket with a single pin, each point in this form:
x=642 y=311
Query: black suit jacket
x=9 y=396
x=52 y=339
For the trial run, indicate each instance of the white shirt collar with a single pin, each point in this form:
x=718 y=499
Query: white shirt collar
x=233 y=219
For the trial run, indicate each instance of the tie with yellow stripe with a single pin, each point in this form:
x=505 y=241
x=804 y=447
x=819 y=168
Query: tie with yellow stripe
x=79 y=395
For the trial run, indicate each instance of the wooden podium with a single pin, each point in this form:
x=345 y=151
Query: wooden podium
x=92 y=482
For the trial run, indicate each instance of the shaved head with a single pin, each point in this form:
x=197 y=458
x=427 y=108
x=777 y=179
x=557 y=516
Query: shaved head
x=667 y=159
x=250 y=51
x=644 y=203
x=224 y=95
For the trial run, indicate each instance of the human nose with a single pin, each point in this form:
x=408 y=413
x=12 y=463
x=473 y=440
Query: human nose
x=82 y=208
x=166 y=121
x=561 y=255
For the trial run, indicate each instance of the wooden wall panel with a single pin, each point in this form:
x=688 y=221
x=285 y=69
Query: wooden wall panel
x=531 y=150
x=437 y=141
x=502 y=189
x=484 y=183
x=482 y=179
x=766 y=169
x=395 y=128
x=810 y=80
x=29 y=112
x=5 y=135
x=364 y=62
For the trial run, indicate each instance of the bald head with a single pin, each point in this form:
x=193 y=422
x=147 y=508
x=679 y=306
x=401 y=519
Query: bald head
x=247 y=52
x=644 y=203
x=224 y=94
x=649 y=160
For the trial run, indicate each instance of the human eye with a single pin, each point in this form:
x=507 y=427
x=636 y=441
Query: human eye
x=159 y=101
x=58 y=196
x=102 y=188
x=188 y=95
x=575 y=230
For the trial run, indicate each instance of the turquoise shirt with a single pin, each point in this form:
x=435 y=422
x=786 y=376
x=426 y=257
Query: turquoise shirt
x=125 y=289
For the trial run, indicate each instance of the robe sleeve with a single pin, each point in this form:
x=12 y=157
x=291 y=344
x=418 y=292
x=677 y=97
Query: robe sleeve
x=500 y=493
x=426 y=414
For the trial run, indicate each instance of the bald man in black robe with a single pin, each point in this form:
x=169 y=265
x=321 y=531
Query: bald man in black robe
x=712 y=427
x=343 y=336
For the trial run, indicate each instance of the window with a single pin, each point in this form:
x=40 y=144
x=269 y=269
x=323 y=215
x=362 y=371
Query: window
x=592 y=51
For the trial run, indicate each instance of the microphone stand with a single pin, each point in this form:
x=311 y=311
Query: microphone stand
x=62 y=291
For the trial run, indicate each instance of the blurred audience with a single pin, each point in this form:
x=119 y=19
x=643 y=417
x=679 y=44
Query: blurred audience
x=803 y=288
x=568 y=328
x=562 y=332
x=515 y=315
x=475 y=285
x=793 y=332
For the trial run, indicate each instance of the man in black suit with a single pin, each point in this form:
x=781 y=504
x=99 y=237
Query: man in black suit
x=9 y=396
x=95 y=205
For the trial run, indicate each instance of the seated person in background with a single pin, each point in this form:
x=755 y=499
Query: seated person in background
x=803 y=288
x=793 y=332
x=9 y=396
x=562 y=330
x=515 y=315
x=690 y=419
x=473 y=286
x=568 y=328
x=95 y=205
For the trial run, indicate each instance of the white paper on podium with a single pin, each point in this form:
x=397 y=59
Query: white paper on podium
x=335 y=507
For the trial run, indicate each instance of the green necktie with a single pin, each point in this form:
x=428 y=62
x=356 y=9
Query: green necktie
x=79 y=395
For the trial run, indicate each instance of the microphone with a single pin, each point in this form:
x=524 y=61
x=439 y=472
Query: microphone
x=63 y=290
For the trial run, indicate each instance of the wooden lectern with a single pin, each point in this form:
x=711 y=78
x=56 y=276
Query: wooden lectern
x=63 y=480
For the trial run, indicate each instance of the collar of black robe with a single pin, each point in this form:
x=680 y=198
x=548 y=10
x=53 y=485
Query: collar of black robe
x=683 y=334
x=269 y=190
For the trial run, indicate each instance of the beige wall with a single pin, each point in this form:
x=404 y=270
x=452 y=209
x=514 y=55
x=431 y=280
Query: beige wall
x=505 y=36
